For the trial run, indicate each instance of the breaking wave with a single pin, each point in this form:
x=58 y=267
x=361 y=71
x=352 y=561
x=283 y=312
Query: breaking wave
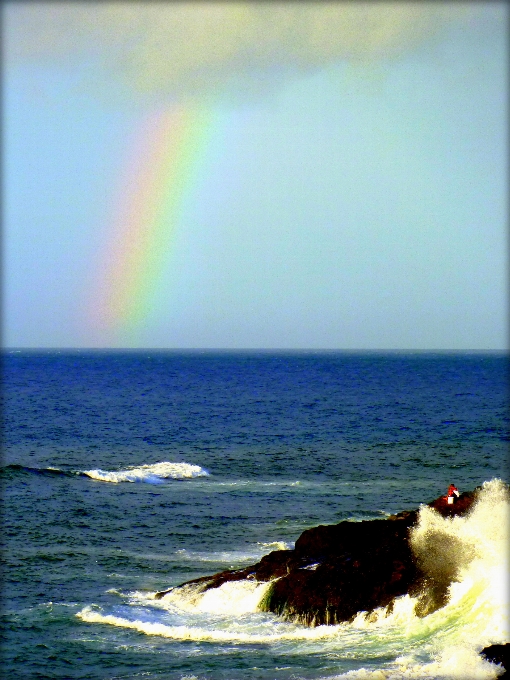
x=155 y=473
x=151 y=474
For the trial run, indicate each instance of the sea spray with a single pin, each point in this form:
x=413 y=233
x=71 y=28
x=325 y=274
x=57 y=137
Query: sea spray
x=470 y=552
x=465 y=548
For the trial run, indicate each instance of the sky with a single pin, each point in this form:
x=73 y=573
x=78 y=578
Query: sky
x=255 y=175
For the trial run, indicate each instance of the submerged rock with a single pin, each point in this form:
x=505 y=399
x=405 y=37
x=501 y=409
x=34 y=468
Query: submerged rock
x=337 y=571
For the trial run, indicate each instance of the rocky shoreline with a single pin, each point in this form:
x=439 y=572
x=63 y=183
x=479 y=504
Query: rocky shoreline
x=336 y=571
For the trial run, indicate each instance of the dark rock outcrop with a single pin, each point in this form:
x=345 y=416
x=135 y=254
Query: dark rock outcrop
x=336 y=571
x=499 y=654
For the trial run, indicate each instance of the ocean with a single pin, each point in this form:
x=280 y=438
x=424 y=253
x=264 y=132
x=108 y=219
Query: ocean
x=128 y=472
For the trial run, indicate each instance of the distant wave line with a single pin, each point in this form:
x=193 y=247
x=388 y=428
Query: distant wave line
x=155 y=473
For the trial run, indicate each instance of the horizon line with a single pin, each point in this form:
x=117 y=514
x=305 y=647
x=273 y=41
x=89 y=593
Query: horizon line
x=434 y=350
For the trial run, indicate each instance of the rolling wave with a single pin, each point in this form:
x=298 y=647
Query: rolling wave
x=14 y=469
x=155 y=473
x=151 y=474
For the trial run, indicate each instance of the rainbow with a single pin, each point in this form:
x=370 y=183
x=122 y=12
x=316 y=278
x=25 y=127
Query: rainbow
x=167 y=164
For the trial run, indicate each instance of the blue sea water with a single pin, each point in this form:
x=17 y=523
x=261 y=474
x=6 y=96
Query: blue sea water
x=128 y=472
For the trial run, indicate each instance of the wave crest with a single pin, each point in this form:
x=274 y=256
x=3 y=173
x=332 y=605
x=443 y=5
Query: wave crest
x=154 y=473
x=150 y=474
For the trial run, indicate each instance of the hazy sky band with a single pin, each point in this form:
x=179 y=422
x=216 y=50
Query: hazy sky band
x=185 y=47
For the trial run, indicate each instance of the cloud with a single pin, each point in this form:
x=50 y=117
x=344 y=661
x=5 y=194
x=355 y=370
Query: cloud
x=188 y=47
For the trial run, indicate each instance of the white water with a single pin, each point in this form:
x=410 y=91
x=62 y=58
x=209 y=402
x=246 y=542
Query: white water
x=443 y=645
x=236 y=557
x=151 y=474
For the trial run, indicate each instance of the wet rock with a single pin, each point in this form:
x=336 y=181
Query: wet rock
x=499 y=654
x=337 y=571
x=459 y=507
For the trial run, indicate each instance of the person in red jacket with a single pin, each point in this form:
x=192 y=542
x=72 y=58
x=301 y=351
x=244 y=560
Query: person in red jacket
x=452 y=493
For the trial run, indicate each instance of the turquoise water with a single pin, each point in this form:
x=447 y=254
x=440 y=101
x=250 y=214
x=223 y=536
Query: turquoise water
x=125 y=473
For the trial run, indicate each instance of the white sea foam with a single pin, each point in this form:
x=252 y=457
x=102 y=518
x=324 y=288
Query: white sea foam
x=459 y=664
x=443 y=645
x=233 y=598
x=224 y=629
x=276 y=545
x=151 y=474
x=198 y=634
x=233 y=556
